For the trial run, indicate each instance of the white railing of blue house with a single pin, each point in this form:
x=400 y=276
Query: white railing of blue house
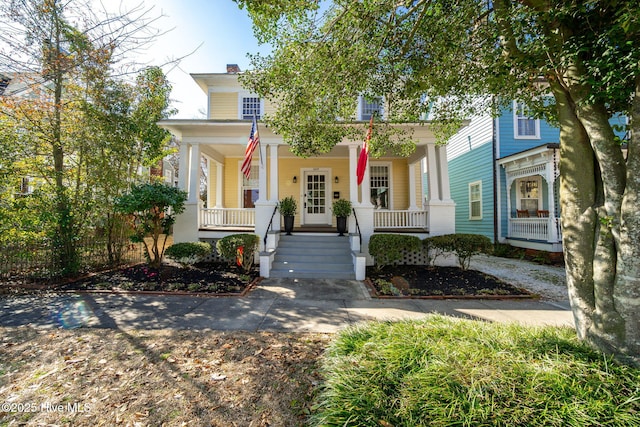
x=227 y=217
x=385 y=218
x=543 y=229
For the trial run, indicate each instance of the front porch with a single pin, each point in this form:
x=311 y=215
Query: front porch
x=391 y=197
x=532 y=214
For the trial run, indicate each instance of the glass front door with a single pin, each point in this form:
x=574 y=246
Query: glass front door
x=316 y=193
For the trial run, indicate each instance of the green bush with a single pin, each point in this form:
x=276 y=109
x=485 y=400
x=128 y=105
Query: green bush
x=388 y=249
x=464 y=246
x=240 y=248
x=188 y=253
x=443 y=371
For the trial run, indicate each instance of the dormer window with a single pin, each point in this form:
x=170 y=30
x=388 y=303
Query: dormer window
x=250 y=105
x=370 y=106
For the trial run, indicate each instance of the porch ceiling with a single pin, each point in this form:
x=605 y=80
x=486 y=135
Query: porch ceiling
x=228 y=138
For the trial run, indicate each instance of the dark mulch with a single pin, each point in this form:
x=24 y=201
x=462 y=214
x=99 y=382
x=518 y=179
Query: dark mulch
x=415 y=280
x=218 y=278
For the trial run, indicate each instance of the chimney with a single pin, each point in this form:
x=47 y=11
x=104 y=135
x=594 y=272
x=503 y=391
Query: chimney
x=233 y=69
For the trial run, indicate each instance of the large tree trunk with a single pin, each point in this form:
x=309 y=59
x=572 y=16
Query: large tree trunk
x=626 y=293
x=600 y=227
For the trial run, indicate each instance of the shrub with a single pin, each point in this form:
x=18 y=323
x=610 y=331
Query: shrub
x=239 y=247
x=388 y=249
x=288 y=206
x=188 y=253
x=464 y=246
x=341 y=208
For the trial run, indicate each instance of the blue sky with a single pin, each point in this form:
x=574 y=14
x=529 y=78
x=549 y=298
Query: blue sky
x=225 y=33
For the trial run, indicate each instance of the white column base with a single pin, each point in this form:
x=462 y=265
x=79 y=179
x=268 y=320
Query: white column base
x=185 y=229
x=441 y=218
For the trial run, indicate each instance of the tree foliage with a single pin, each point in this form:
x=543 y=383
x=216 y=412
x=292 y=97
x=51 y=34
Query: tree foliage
x=575 y=63
x=79 y=130
x=153 y=208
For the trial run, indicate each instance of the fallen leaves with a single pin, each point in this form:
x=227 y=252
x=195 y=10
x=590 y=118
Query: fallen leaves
x=168 y=378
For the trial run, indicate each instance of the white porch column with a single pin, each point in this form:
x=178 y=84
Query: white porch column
x=219 y=186
x=262 y=174
x=183 y=178
x=432 y=172
x=353 y=179
x=551 y=179
x=443 y=173
x=412 y=187
x=263 y=206
x=185 y=229
x=365 y=187
x=194 y=173
x=273 y=173
x=441 y=209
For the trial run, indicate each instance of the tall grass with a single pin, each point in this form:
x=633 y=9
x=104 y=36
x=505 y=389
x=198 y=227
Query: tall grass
x=452 y=372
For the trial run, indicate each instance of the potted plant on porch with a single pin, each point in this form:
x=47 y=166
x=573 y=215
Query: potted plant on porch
x=288 y=208
x=341 y=210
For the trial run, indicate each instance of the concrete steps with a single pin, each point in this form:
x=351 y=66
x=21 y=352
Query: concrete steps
x=312 y=256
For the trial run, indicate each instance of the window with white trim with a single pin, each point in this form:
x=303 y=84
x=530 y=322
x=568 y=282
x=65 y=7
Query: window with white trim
x=475 y=200
x=370 y=106
x=379 y=178
x=250 y=188
x=524 y=126
x=250 y=105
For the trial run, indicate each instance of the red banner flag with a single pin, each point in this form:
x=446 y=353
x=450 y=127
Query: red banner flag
x=364 y=154
x=254 y=141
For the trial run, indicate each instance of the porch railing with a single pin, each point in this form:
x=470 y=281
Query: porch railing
x=227 y=217
x=544 y=229
x=384 y=218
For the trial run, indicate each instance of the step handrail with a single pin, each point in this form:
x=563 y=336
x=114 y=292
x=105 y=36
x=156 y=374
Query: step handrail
x=357 y=226
x=269 y=226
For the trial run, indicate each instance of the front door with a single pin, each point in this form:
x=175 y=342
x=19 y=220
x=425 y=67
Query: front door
x=316 y=197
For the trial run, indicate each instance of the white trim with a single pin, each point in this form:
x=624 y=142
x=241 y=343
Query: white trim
x=389 y=166
x=245 y=94
x=516 y=116
x=520 y=195
x=473 y=184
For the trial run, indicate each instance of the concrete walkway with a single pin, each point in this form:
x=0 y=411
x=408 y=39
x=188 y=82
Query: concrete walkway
x=311 y=305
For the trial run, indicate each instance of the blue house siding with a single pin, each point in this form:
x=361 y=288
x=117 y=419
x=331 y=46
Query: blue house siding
x=510 y=145
x=473 y=166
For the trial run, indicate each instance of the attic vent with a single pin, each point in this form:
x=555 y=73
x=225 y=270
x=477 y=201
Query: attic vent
x=233 y=69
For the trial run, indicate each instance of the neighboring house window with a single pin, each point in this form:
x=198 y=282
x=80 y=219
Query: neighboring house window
x=370 y=106
x=379 y=186
x=250 y=105
x=475 y=200
x=525 y=127
x=250 y=188
x=529 y=193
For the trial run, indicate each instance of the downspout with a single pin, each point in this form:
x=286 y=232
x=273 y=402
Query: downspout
x=494 y=143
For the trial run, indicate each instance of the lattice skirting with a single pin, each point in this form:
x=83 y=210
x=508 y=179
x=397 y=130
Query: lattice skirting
x=214 y=256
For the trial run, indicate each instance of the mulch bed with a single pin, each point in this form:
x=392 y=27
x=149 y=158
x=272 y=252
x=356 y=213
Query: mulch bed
x=417 y=281
x=202 y=278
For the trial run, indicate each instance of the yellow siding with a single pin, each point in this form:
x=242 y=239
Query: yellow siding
x=211 y=188
x=223 y=106
x=269 y=108
x=400 y=183
x=231 y=185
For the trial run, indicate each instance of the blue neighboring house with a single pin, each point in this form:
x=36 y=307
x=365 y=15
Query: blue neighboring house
x=504 y=179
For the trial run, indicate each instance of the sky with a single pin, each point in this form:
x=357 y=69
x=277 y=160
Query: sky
x=224 y=32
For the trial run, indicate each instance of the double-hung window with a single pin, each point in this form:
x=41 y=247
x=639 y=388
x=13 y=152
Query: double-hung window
x=524 y=126
x=379 y=178
x=369 y=107
x=250 y=106
x=475 y=200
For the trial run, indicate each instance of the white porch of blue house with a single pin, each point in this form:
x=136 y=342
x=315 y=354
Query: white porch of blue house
x=532 y=210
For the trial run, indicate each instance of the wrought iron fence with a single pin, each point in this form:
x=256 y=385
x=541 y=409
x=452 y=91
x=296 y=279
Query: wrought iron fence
x=36 y=262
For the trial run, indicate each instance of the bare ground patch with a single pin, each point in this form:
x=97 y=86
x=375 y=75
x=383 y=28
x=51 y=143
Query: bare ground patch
x=91 y=377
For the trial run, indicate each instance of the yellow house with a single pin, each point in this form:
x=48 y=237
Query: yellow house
x=391 y=197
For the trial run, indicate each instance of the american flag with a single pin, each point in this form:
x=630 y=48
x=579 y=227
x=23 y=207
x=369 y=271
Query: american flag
x=254 y=141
